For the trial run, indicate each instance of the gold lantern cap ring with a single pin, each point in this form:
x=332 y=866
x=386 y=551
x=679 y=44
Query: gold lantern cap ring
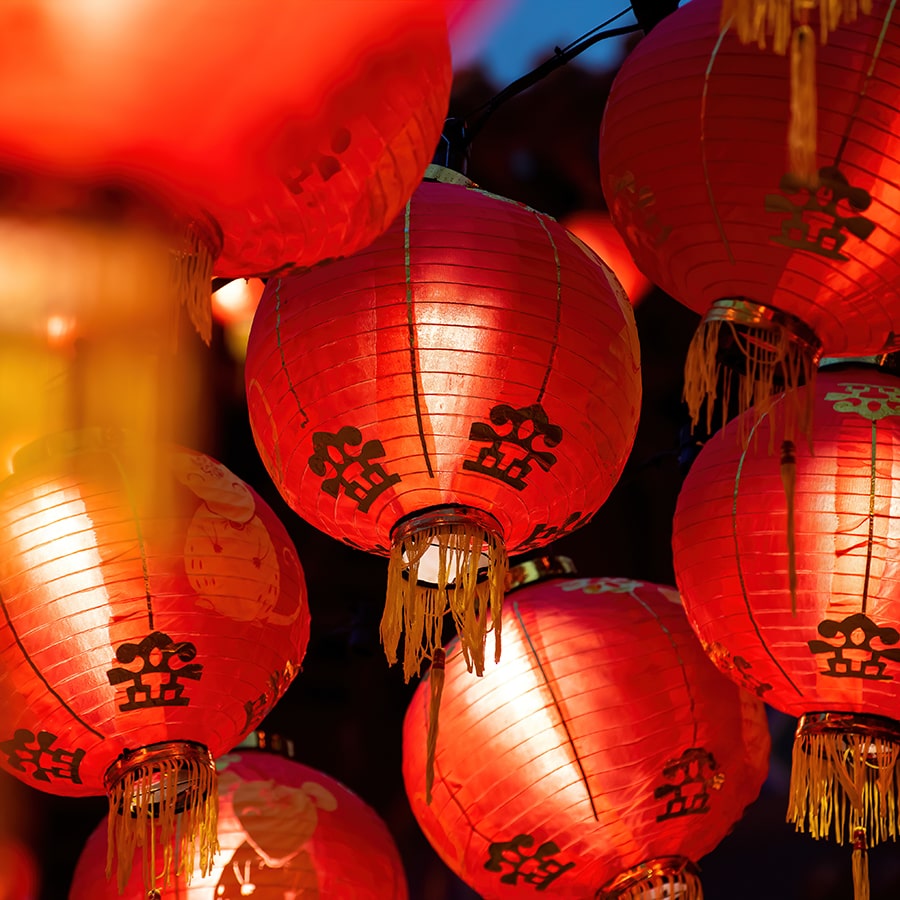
x=677 y=869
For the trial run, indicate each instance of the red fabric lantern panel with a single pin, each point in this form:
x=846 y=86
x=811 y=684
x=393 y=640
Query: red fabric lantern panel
x=281 y=133
x=19 y=875
x=137 y=613
x=285 y=830
x=595 y=228
x=695 y=174
x=471 y=380
x=834 y=661
x=599 y=758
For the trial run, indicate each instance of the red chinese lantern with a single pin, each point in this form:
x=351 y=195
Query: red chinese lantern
x=598 y=232
x=833 y=660
x=285 y=830
x=19 y=875
x=148 y=625
x=261 y=136
x=695 y=173
x=467 y=385
x=601 y=758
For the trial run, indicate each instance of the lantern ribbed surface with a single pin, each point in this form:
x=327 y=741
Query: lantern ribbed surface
x=604 y=744
x=694 y=166
x=148 y=620
x=835 y=661
x=285 y=830
x=476 y=362
x=299 y=129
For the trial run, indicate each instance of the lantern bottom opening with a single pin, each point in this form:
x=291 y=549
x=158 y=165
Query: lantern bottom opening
x=445 y=558
x=148 y=788
x=758 y=350
x=663 y=878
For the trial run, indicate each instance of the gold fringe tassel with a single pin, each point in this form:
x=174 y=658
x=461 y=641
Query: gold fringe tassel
x=434 y=709
x=773 y=360
x=860 y=866
x=789 y=481
x=804 y=107
x=192 y=281
x=684 y=885
x=417 y=609
x=842 y=782
x=143 y=812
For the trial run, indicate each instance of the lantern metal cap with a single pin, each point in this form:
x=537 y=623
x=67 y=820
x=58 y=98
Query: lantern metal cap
x=848 y=723
x=268 y=742
x=443 y=175
x=676 y=868
x=443 y=516
x=742 y=311
x=541 y=568
x=186 y=755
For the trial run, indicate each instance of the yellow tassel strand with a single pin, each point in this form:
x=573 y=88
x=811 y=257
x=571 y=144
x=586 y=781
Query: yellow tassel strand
x=772 y=360
x=789 y=481
x=842 y=781
x=434 y=708
x=804 y=107
x=474 y=598
x=860 y=866
x=166 y=804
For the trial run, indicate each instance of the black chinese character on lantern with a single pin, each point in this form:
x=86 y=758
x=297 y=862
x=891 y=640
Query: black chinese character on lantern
x=510 y=455
x=361 y=479
x=539 y=869
x=750 y=682
x=818 y=219
x=543 y=533
x=27 y=750
x=157 y=682
x=690 y=778
x=854 y=656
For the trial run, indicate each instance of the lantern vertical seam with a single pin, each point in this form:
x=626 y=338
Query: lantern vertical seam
x=562 y=719
x=40 y=675
x=145 y=571
x=737 y=555
x=671 y=639
x=869 y=541
x=709 y=190
x=280 y=345
x=558 y=314
x=413 y=349
x=876 y=53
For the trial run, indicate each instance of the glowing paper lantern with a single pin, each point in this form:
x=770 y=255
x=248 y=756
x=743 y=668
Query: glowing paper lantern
x=597 y=231
x=833 y=661
x=695 y=175
x=19 y=876
x=601 y=758
x=467 y=385
x=148 y=625
x=285 y=830
x=262 y=136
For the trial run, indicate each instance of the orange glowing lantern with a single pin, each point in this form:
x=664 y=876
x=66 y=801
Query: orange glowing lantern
x=741 y=547
x=148 y=624
x=285 y=830
x=785 y=266
x=19 y=875
x=468 y=384
x=595 y=228
x=602 y=757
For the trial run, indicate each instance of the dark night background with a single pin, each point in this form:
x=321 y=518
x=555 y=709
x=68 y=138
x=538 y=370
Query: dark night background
x=345 y=710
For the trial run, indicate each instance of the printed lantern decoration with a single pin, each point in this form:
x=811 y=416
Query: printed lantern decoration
x=285 y=830
x=694 y=162
x=834 y=661
x=148 y=625
x=467 y=385
x=260 y=136
x=536 y=787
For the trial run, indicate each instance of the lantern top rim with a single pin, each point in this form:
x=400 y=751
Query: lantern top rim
x=268 y=742
x=447 y=515
x=831 y=722
x=541 y=568
x=679 y=868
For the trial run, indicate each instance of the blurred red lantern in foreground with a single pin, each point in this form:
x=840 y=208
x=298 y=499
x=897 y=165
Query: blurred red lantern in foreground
x=285 y=830
x=594 y=227
x=19 y=876
x=261 y=136
x=148 y=624
x=601 y=758
x=833 y=661
x=695 y=175
x=468 y=384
